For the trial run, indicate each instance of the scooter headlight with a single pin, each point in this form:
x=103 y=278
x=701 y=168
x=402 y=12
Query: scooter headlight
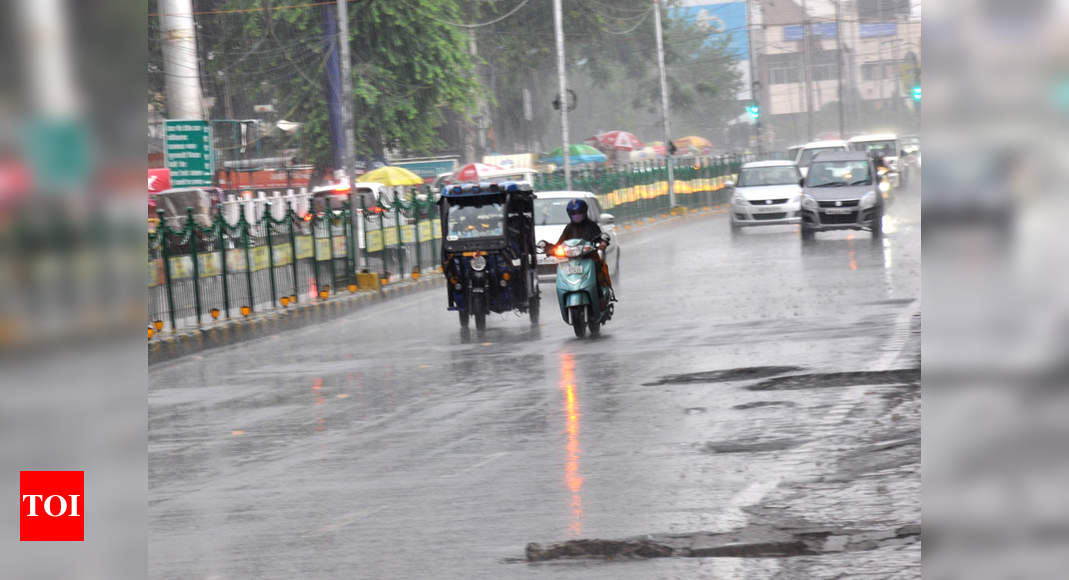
x=573 y=251
x=478 y=263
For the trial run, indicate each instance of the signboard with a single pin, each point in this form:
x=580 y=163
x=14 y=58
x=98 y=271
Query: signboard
x=719 y=19
x=323 y=249
x=408 y=233
x=159 y=179
x=816 y=30
x=235 y=260
x=305 y=249
x=876 y=29
x=374 y=241
x=209 y=265
x=430 y=168
x=340 y=247
x=188 y=152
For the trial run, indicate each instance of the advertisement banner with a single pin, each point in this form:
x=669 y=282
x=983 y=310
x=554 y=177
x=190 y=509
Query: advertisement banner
x=339 y=246
x=323 y=249
x=261 y=260
x=181 y=267
x=305 y=247
x=282 y=254
x=374 y=241
x=235 y=260
x=209 y=265
x=408 y=233
x=719 y=19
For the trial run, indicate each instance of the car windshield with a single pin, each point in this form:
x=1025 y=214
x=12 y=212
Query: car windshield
x=551 y=212
x=839 y=174
x=757 y=176
x=807 y=154
x=475 y=221
x=884 y=148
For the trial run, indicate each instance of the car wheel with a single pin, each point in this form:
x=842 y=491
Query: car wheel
x=735 y=227
x=807 y=234
x=578 y=317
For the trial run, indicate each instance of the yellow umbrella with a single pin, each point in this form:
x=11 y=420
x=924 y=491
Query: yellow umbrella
x=392 y=176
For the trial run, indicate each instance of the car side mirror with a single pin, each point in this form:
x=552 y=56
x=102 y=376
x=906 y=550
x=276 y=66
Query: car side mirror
x=607 y=218
x=801 y=182
x=729 y=184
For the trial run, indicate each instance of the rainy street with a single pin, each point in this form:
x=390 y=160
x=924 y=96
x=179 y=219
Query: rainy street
x=752 y=411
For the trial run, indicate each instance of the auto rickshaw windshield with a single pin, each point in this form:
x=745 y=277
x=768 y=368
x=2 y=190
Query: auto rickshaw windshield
x=476 y=221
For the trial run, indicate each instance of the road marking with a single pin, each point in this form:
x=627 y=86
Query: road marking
x=342 y=522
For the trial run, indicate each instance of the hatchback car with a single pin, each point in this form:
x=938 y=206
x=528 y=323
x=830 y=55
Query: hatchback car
x=551 y=215
x=809 y=150
x=841 y=192
x=767 y=193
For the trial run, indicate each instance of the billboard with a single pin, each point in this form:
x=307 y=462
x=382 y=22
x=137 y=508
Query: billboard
x=816 y=30
x=719 y=19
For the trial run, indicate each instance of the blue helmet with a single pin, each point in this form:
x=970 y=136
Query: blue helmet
x=576 y=206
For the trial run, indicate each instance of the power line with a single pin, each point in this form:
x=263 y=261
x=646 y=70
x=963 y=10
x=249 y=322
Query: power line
x=246 y=10
x=482 y=24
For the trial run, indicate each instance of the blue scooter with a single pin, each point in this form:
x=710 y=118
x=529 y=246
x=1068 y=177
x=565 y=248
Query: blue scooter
x=581 y=299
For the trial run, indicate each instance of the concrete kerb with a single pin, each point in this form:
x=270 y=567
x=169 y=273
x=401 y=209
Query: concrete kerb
x=167 y=346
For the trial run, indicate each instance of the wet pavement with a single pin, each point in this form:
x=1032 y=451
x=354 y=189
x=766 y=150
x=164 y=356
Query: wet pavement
x=754 y=405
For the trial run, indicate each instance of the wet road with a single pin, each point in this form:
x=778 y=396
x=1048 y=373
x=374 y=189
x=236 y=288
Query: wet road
x=386 y=444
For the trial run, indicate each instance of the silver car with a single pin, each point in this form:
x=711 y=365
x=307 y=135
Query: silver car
x=551 y=215
x=767 y=193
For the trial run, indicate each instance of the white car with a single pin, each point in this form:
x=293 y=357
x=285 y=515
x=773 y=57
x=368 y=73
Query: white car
x=767 y=193
x=887 y=145
x=551 y=215
x=806 y=153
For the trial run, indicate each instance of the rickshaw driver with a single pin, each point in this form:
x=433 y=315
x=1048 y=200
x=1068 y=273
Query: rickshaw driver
x=580 y=226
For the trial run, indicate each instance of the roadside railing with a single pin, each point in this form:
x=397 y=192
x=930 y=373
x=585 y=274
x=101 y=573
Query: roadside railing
x=277 y=252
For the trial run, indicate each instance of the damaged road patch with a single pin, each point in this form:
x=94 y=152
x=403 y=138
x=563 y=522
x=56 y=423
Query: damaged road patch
x=723 y=376
x=847 y=379
x=750 y=542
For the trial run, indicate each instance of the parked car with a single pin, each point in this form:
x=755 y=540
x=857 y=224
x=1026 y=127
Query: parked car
x=806 y=153
x=551 y=216
x=841 y=192
x=767 y=193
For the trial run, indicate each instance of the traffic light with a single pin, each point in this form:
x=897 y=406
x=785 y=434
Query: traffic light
x=754 y=111
x=917 y=93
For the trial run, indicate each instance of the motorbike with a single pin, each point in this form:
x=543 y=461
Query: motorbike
x=583 y=303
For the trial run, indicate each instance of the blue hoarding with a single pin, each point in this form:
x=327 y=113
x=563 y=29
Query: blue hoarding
x=816 y=29
x=873 y=29
x=719 y=19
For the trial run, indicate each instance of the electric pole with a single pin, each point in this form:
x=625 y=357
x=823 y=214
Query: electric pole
x=179 y=59
x=807 y=65
x=839 y=62
x=562 y=82
x=347 y=90
x=665 y=113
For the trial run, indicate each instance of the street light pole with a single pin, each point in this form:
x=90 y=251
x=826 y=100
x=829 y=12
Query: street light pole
x=839 y=62
x=807 y=65
x=665 y=113
x=562 y=81
x=347 y=90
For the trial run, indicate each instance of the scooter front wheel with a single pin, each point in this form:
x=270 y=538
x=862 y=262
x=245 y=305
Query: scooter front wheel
x=578 y=318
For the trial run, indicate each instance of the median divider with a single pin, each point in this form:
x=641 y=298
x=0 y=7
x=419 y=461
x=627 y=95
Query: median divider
x=171 y=345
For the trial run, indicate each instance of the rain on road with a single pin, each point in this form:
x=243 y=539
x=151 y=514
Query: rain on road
x=742 y=385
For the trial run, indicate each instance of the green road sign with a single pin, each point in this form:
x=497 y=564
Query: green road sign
x=188 y=152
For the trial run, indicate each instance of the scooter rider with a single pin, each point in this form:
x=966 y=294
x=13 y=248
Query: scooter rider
x=580 y=226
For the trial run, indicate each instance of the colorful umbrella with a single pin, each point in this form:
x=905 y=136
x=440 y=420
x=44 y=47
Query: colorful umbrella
x=392 y=176
x=577 y=154
x=474 y=171
x=618 y=140
x=658 y=148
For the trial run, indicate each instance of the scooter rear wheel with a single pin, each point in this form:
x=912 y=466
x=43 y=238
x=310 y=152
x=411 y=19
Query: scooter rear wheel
x=578 y=318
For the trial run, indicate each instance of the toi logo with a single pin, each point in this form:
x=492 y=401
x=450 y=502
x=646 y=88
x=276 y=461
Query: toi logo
x=51 y=506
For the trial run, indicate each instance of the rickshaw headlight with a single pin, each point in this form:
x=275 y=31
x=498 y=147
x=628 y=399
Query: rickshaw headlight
x=478 y=263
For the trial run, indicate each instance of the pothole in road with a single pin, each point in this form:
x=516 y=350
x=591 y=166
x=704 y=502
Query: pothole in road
x=757 y=404
x=749 y=446
x=723 y=376
x=753 y=541
x=847 y=379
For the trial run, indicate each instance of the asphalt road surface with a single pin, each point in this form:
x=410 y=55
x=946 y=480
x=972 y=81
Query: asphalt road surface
x=749 y=385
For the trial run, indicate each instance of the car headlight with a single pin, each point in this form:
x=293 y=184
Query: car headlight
x=478 y=263
x=810 y=202
x=868 y=200
x=796 y=199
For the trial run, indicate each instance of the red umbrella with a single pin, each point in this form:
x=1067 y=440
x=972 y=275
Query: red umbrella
x=474 y=171
x=618 y=140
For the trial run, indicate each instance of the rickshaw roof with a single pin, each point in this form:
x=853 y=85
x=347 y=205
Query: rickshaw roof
x=463 y=190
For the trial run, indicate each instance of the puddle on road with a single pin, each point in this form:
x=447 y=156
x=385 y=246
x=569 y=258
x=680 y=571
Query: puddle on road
x=723 y=376
x=754 y=541
x=848 y=379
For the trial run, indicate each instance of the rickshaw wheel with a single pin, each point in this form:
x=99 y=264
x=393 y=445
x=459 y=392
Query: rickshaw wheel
x=463 y=318
x=532 y=310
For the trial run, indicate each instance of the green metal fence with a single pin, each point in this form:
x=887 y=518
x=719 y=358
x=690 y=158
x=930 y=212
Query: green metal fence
x=217 y=269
